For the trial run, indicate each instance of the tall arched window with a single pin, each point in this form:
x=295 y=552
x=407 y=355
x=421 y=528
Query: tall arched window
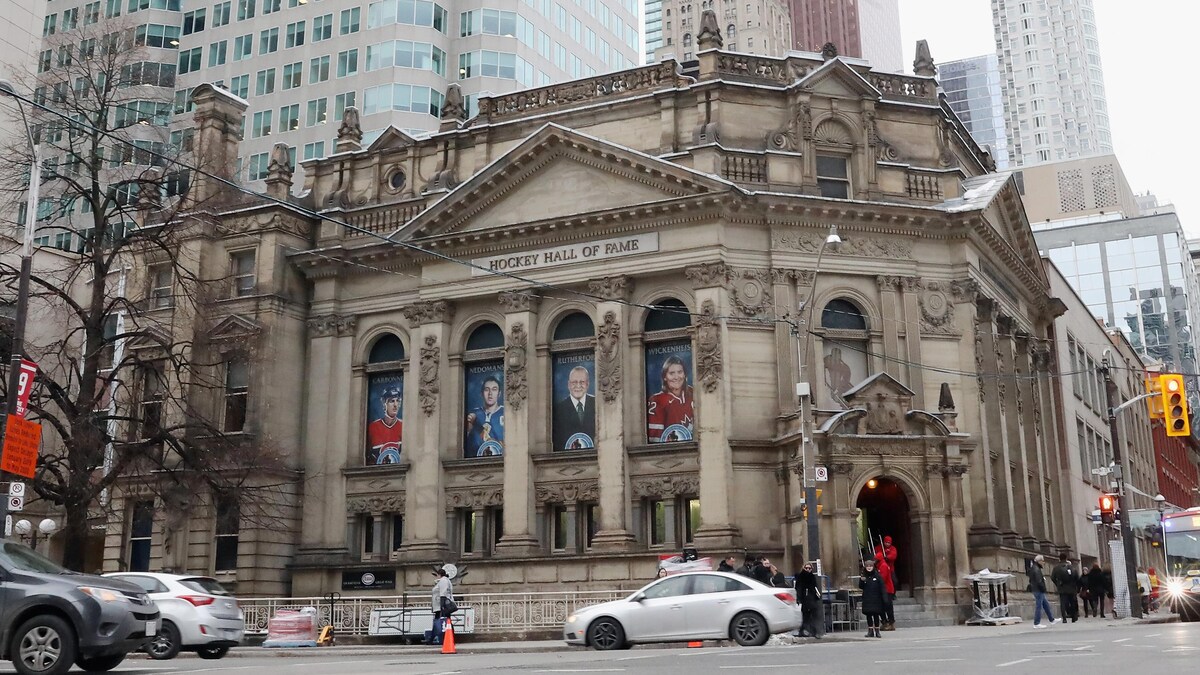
x=483 y=392
x=573 y=373
x=670 y=407
x=846 y=344
x=385 y=400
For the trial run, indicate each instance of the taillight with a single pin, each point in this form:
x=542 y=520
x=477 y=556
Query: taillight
x=786 y=598
x=198 y=600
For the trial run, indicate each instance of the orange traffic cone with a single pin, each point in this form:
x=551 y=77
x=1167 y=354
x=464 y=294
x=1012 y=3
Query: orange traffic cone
x=448 y=639
x=696 y=643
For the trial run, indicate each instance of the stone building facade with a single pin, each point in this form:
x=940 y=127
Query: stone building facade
x=561 y=338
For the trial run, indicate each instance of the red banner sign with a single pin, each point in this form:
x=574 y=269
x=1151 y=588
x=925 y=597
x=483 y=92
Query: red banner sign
x=21 y=441
x=25 y=386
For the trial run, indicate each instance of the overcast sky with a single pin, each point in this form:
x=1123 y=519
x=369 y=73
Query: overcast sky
x=1148 y=49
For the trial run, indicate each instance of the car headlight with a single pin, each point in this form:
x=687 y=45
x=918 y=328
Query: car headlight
x=104 y=594
x=1175 y=587
x=571 y=619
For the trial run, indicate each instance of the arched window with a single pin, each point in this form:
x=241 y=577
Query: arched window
x=687 y=39
x=670 y=406
x=730 y=30
x=483 y=392
x=845 y=349
x=573 y=375
x=385 y=400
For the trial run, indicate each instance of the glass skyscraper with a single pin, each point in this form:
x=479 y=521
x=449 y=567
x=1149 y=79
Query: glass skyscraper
x=973 y=90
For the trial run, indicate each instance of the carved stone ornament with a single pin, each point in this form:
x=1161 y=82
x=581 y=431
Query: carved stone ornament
x=385 y=503
x=349 y=135
x=428 y=311
x=890 y=282
x=519 y=301
x=332 y=324
x=674 y=485
x=895 y=249
x=474 y=498
x=610 y=288
x=453 y=106
x=841 y=468
x=923 y=64
x=829 y=51
x=882 y=150
x=663 y=74
x=798 y=128
x=708 y=347
x=873 y=448
x=709 y=36
x=608 y=362
x=429 y=389
x=567 y=493
x=937 y=309
x=750 y=290
x=710 y=275
x=516 y=389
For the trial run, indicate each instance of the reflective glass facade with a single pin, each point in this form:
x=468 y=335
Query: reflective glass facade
x=973 y=90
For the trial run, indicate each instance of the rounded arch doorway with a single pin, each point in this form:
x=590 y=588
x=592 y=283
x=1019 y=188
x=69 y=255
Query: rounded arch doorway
x=884 y=512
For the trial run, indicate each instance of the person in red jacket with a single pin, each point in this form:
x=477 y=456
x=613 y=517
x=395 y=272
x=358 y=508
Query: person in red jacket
x=885 y=558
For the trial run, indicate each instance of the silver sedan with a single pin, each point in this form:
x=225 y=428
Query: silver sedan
x=688 y=606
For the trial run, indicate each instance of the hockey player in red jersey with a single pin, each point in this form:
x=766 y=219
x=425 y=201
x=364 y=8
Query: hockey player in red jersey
x=670 y=412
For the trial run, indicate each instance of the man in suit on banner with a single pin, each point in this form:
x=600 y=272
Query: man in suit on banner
x=575 y=416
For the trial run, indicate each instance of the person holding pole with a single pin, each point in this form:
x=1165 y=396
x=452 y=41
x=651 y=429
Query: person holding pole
x=885 y=559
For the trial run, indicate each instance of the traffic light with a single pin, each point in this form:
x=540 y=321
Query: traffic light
x=1108 y=509
x=1155 y=402
x=1175 y=407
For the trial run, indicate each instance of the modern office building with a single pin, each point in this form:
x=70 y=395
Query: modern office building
x=1053 y=83
x=22 y=22
x=1073 y=192
x=868 y=29
x=300 y=63
x=1134 y=274
x=973 y=90
x=672 y=27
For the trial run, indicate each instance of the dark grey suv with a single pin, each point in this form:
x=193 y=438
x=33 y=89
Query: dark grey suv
x=51 y=618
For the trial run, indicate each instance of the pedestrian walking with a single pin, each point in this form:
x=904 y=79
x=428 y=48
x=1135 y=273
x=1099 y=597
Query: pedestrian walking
x=1096 y=590
x=1037 y=586
x=1066 y=582
x=808 y=594
x=443 y=592
x=762 y=571
x=873 y=591
x=1085 y=593
x=1108 y=598
x=727 y=565
x=885 y=563
x=1143 y=582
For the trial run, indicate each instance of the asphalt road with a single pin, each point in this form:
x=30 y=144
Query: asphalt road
x=1084 y=647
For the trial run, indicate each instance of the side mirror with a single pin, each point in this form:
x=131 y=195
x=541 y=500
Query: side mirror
x=639 y=597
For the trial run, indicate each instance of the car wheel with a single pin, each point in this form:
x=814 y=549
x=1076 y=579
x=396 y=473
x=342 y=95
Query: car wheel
x=43 y=645
x=165 y=644
x=749 y=630
x=100 y=664
x=212 y=652
x=605 y=634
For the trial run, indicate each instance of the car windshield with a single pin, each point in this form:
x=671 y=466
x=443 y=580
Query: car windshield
x=16 y=557
x=204 y=585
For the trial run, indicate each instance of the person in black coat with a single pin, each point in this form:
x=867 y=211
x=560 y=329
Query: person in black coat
x=762 y=571
x=1066 y=582
x=872 y=597
x=727 y=565
x=1096 y=592
x=808 y=594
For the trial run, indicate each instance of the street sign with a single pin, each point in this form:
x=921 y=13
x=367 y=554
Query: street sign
x=16 y=503
x=24 y=386
x=21 y=441
x=821 y=474
x=1101 y=471
x=16 y=489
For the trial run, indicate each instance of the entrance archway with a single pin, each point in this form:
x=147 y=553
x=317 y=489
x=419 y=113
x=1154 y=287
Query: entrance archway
x=884 y=512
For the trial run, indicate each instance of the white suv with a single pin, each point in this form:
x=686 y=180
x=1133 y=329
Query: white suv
x=197 y=614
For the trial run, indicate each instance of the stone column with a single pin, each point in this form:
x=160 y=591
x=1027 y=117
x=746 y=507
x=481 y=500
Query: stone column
x=612 y=334
x=330 y=360
x=716 y=531
x=889 y=303
x=912 y=339
x=841 y=543
x=429 y=435
x=1029 y=489
x=1008 y=508
x=985 y=508
x=519 y=319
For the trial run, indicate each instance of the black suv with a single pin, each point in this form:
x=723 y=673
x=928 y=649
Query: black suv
x=51 y=618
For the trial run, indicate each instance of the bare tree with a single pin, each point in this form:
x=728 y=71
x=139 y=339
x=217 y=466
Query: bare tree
x=126 y=394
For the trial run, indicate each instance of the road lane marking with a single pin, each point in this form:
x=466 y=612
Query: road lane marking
x=919 y=661
x=1079 y=649
x=771 y=665
x=1154 y=635
x=1012 y=663
x=929 y=647
x=582 y=670
x=1059 y=656
x=1123 y=640
x=635 y=658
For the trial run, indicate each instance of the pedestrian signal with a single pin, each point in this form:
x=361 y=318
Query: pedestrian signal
x=1108 y=509
x=1175 y=406
x=1155 y=402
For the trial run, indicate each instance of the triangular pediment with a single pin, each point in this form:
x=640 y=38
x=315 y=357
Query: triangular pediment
x=837 y=79
x=149 y=337
x=234 y=327
x=558 y=173
x=996 y=197
x=391 y=139
x=879 y=383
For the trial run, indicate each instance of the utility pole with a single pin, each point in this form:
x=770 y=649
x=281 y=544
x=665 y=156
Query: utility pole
x=1114 y=406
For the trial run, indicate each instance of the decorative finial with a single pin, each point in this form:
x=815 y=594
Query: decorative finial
x=923 y=65
x=709 y=36
x=279 y=172
x=454 y=109
x=350 y=133
x=945 y=398
x=829 y=51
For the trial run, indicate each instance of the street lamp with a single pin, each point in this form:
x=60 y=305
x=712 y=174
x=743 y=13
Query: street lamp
x=25 y=528
x=804 y=392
